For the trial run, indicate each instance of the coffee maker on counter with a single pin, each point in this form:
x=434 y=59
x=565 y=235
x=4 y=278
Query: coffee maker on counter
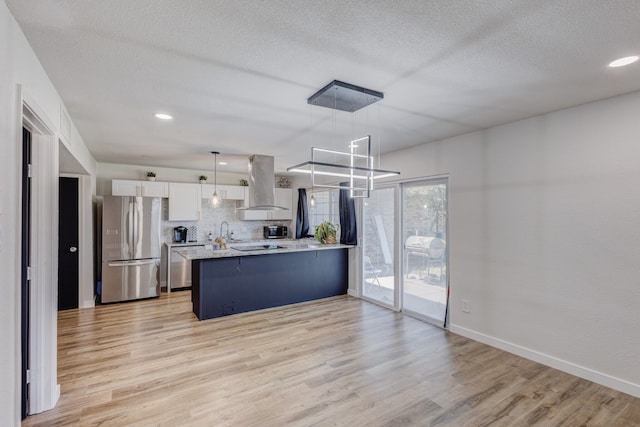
x=180 y=234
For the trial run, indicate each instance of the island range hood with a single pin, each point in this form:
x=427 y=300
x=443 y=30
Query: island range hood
x=262 y=181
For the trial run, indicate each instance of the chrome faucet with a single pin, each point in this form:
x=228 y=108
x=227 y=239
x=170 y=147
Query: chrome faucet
x=226 y=237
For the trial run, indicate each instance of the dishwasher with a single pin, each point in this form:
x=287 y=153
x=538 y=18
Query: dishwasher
x=179 y=269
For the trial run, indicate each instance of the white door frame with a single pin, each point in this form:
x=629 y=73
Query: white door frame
x=44 y=391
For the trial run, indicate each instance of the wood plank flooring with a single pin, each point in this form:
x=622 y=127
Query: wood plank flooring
x=339 y=361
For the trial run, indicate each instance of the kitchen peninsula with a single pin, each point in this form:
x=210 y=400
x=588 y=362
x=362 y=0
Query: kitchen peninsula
x=257 y=276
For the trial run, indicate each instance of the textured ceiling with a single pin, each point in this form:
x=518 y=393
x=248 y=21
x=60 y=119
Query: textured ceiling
x=236 y=74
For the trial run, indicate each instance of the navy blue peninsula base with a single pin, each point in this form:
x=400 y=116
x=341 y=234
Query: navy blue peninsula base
x=235 y=284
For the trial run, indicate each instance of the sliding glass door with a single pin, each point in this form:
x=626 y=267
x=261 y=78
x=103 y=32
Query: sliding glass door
x=424 y=238
x=379 y=278
x=407 y=269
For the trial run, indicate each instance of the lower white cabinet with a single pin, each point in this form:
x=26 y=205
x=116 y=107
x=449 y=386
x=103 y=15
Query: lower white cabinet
x=185 y=201
x=283 y=197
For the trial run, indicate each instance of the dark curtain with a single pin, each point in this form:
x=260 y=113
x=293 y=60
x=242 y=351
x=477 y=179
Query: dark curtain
x=302 y=218
x=348 y=228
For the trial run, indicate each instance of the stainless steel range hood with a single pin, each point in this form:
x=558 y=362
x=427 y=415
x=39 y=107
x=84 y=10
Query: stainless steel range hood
x=262 y=183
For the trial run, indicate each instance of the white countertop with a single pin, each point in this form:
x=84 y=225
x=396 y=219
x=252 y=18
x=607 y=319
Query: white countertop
x=236 y=242
x=175 y=245
x=201 y=252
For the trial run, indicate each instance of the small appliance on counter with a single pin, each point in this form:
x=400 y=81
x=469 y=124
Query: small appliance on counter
x=180 y=234
x=275 y=232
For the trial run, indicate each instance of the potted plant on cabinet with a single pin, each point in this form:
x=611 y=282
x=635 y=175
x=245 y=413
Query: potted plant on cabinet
x=203 y=179
x=151 y=176
x=326 y=232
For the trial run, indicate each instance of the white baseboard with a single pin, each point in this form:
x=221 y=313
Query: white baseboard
x=562 y=365
x=87 y=304
x=353 y=293
x=57 y=395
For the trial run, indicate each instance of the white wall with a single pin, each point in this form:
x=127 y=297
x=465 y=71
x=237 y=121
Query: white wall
x=545 y=236
x=19 y=66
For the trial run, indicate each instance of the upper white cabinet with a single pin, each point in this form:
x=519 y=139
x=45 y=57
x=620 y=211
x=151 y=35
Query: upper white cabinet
x=123 y=187
x=283 y=197
x=226 y=192
x=154 y=189
x=185 y=201
x=233 y=192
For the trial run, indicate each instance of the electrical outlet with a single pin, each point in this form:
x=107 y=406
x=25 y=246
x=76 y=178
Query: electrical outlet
x=466 y=308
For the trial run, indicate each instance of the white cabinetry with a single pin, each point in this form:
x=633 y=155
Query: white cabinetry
x=123 y=187
x=283 y=197
x=226 y=192
x=185 y=201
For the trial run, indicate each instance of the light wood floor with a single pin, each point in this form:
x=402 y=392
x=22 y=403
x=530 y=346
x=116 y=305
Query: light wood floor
x=340 y=361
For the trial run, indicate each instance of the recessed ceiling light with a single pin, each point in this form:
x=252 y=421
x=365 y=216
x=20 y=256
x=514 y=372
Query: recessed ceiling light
x=623 y=61
x=223 y=163
x=163 y=116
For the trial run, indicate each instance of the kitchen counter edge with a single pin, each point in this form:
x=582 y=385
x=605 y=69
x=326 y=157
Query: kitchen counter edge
x=199 y=253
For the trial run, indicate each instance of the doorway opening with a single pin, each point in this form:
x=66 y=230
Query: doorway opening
x=68 y=238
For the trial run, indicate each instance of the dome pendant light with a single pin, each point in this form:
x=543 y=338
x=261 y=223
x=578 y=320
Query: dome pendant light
x=214 y=200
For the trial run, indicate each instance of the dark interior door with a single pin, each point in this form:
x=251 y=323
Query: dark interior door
x=68 y=244
x=25 y=261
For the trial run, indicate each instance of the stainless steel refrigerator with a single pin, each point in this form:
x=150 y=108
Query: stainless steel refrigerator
x=131 y=234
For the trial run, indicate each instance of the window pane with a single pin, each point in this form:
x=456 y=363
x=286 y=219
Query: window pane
x=379 y=224
x=424 y=222
x=326 y=208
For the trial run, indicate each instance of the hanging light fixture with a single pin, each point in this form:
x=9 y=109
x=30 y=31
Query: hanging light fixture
x=355 y=165
x=312 y=200
x=214 y=200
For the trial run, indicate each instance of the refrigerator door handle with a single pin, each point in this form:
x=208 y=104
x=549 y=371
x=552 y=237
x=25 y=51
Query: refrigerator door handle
x=134 y=235
x=131 y=229
x=132 y=263
x=138 y=217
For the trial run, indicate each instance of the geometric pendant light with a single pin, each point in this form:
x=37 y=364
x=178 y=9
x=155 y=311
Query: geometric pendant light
x=356 y=165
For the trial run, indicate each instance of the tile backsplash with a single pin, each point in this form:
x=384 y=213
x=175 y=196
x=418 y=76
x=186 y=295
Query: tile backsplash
x=212 y=218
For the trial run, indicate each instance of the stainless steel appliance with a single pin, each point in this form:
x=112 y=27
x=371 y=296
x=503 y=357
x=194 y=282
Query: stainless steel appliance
x=131 y=244
x=262 y=181
x=274 y=231
x=179 y=268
